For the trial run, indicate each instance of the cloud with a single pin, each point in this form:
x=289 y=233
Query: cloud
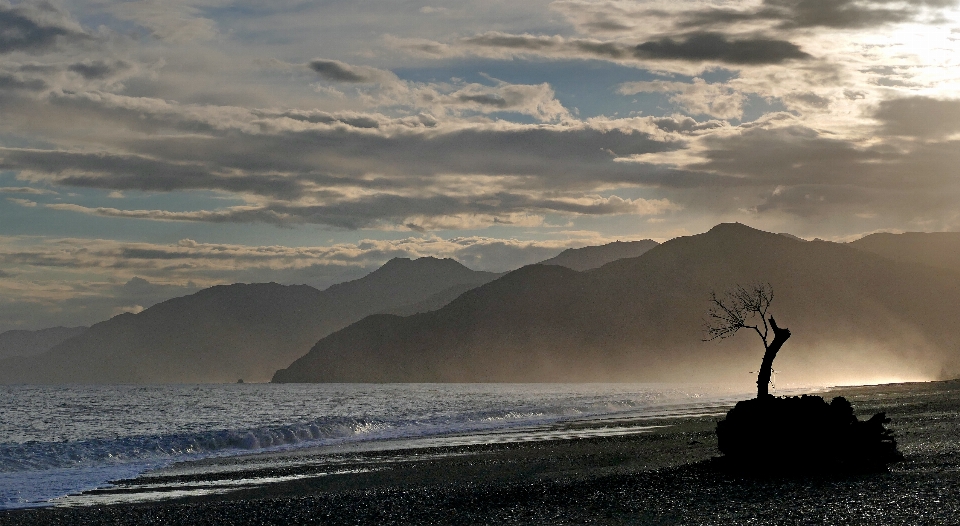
x=34 y=79
x=337 y=71
x=521 y=42
x=18 y=82
x=133 y=309
x=174 y=21
x=25 y=190
x=22 y=202
x=781 y=168
x=501 y=45
x=836 y=14
x=134 y=172
x=684 y=124
x=36 y=28
x=715 y=47
x=698 y=97
x=536 y=100
x=437 y=212
x=923 y=117
x=807 y=100
x=312 y=167
x=381 y=88
x=98 y=69
x=150 y=269
x=696 y=47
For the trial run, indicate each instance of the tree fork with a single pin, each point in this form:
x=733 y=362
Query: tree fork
x=766 y=366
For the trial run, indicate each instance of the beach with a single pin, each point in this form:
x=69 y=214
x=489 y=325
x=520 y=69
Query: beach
x=618 y=471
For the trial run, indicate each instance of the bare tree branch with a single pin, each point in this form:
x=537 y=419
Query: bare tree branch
x=736 y=309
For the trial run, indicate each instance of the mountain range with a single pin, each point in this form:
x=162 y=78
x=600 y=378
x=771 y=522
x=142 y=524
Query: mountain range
x=30 y=343
x=587 y=258
x=248 y=331
x=880 y=304
x=936 y=249
x=852 y=312
x=231 y=332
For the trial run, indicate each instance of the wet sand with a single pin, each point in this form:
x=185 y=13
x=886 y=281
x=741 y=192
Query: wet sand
x=661 y=475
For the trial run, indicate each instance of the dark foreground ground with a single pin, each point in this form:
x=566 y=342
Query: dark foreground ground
x=662 y=477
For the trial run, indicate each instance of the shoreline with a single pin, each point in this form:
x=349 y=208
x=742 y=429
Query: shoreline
x=660 y=475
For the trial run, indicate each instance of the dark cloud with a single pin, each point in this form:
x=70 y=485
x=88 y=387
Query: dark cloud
x=813 y=200
x=13 y=82
x=840 y=14
x=389 y=209
x=320 y=117
x=563 y=156
x=895 y=83
x=785 y=155
x=35 y=77
x=607 y=24
x=683 y=124
x=602 y=49
x=805 y=173
x=808 y=99
x=336 y=71
x=701 y=46
x=923 y=117
x=609 y=50
x=35 y=28
x=485 y=99
x=326 y=165
x=715 y=47
x=24 y=190
x=132 y=172
x=169 y=254
x=503 y=40
x=98 y=69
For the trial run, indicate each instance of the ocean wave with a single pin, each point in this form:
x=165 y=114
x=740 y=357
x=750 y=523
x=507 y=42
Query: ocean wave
x=39 y=455
x=36 y=455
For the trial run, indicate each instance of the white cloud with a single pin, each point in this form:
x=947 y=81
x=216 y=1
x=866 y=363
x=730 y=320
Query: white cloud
x=698 y=98
x=173 y=21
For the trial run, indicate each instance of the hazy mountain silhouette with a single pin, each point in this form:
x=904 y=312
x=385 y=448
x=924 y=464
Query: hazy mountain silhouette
x=937 y=249
x=224 y=333
x=851 y=313
x=587 y=258
x=29 y=343
x=431 y=303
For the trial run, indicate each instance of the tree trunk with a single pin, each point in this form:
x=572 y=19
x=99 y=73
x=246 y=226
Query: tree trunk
x=766 y=367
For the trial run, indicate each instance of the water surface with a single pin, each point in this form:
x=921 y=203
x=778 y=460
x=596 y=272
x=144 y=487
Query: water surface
x=60 y=440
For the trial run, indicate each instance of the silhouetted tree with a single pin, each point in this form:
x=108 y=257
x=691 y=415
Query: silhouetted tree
x=801 y=434
x=740 y=309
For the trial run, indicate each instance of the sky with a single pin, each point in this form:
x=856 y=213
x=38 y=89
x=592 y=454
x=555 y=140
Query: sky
x=152 y=148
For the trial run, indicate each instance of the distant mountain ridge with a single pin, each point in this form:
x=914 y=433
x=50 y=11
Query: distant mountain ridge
x=640 y=319
x=228 y=332
x=936 y=249
x=30 y=343
x=587 y=258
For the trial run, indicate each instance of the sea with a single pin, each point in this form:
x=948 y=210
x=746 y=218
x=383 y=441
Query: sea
x=58 y=441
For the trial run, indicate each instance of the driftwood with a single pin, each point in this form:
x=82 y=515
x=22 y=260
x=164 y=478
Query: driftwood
x=805 y=434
